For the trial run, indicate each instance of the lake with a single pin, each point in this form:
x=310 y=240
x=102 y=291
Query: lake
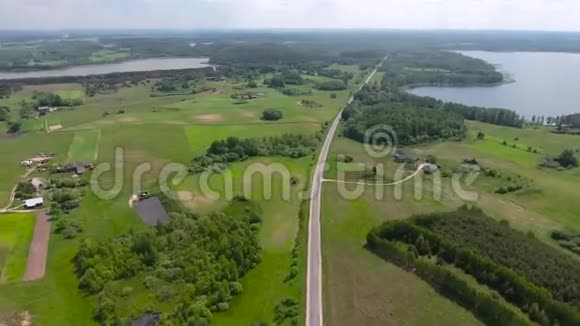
x=102 y=69
x=545 y=84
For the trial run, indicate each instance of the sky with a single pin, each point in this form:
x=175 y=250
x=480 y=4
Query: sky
x=550 y=15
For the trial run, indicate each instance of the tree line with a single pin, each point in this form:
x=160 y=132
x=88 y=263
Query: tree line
x=496 y=116
x=538 y=279
x=234 y=149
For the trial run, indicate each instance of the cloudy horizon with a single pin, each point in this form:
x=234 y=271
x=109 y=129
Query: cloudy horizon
x=554 y=15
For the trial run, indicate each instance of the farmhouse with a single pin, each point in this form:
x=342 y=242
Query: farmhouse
x=430 y=168
x=401 y=157
x=42 y=110
x=34 y=202
x=78 y=168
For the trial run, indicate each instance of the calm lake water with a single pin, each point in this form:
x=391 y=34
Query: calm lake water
x=545 y=84
x=127 y=66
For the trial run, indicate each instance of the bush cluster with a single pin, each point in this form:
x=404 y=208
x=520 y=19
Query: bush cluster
x=272 y=115
x=568 y=240
x=234 y=149
x=193 y=263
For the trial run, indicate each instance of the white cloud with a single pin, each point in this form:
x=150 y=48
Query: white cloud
x=459 y=14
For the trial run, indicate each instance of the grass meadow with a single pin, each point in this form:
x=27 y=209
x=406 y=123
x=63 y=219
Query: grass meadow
x=153 y=132
x=360 y=288
x=15 y=235
x=103 y=56
x=85 y=145
x=264 y=287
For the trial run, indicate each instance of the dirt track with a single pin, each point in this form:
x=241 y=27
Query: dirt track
x=38 y=253
x=13 y=192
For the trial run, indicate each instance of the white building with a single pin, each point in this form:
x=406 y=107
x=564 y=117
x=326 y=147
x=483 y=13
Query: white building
x=34 y=202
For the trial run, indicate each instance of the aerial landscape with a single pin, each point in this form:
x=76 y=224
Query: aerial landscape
x=283 y=168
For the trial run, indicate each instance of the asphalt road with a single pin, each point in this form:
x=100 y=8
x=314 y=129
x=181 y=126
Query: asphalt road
x=314 y=273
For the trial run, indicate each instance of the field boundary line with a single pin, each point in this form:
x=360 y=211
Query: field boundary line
x=96 y=155
x=13 y=192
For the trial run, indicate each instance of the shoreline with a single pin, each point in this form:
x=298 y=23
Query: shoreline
x=507 y=79
x=203 y=61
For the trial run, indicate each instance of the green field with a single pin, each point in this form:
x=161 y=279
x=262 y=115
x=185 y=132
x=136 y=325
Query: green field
x=72 y=94
x=85 y=145
x=15 y=235
x=361 y=288
x=151 y=133
x=264 y=286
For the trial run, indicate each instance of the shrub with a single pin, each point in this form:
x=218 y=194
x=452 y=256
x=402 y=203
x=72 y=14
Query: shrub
x=567 y=159
x=222 y=306
x=126 y=291
x=288 y=91
x=68 y=228
x=431 y=159
x=24 y=190
x=150 y=281
x=14 y=127
x=165 y=293
x=236 y=288
x=272 y=115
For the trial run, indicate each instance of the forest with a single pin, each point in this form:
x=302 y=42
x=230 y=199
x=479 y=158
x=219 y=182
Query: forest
x=407 y=68
x=23 y=51
x=542 y=281
x=496 y=116
x=191 y=265
x=440 y=68
x=412 y=124
x=572 y=120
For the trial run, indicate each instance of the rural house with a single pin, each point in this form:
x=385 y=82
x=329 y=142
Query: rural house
x=401 y=157
x=151 y=211
x=78 y=168
x=430 y=168
x=38 y=184
x=34 y=202
x=42 y=110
